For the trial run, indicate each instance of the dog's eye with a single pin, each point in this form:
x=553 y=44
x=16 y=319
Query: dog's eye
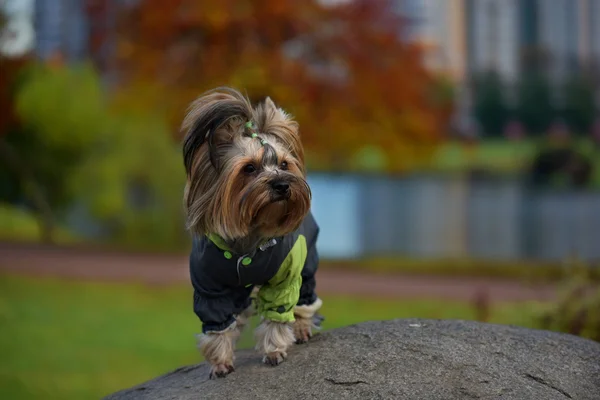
x=249 y=169
x=284 y=165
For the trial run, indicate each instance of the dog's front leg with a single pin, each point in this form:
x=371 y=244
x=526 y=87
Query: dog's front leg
x=275 y=302
x=218 y=349
x=305 y=315
x=273 y=339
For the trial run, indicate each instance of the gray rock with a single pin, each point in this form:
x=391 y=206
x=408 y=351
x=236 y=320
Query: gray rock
x=403 y=359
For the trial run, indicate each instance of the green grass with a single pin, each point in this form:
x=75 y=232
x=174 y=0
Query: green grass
x=72 y=340
x=497 y=155
x=21 y=225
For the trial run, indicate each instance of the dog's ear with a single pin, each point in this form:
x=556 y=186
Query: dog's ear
x=275 y=112
x=275 y=121
x=270 y=105
x=211 y=120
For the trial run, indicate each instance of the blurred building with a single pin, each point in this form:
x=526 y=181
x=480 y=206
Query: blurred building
x=71 y=31
x=492 y=36
x=470 y=36
x=463 y=38
x=570 y=31
x=439 y=27
x=62 y=28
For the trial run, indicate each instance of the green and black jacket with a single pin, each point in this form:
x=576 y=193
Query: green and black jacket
x=284 y=268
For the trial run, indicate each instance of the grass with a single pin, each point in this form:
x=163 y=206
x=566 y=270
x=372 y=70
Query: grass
x=72 y=340
x=20 y=225
x=498 y=155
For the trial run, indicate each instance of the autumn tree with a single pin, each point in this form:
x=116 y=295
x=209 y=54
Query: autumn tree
x=18 y=181
x=343 y=71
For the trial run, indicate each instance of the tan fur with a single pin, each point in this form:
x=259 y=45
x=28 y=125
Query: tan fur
x=222 y=199
x=273 y=339
x=255 y=291
x=243 y=318
x=304 y=324
x=280 y=124
x=307 y=311
x=218 y=349
x=302 y=328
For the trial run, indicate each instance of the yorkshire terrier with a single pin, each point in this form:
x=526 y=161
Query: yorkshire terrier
x=248 y=207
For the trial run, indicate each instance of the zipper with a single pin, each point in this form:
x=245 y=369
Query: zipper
x=268 y=244
x=263 y=247
x=239 y=261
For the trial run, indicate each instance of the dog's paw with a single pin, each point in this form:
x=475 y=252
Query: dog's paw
x=302 y=330
x=274 y=358
x=302 y=335
x=220 y=371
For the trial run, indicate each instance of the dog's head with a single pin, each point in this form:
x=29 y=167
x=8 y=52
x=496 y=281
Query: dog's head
x=245 y=168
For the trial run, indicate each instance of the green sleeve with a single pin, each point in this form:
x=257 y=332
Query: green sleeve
x=276 y=299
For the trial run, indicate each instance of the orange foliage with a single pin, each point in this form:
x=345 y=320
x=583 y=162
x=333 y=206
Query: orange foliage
x=342 y=71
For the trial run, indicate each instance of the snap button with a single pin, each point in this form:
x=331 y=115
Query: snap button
x=228 y=255
x=246 y=261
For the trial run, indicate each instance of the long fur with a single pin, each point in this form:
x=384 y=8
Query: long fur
x=308 y=310
x=206 y=115
x=273 y=339
x=302 y=329
x=218 y=349
x=243 y=318
x=219 y=197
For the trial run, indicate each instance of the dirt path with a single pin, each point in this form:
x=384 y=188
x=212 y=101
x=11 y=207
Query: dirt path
x=101 y=265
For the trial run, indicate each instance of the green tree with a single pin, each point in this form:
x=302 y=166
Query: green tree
x=115 y=162
x=579 y=103
x=491 y=109
x=60 y=111
x=575 y=309
x=138 y=182
x=534 y=103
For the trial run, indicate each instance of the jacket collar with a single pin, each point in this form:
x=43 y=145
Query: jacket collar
x=218 y=241
x=222 y=244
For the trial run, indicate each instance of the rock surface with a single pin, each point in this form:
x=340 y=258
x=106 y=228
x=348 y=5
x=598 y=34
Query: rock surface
x=403 y=359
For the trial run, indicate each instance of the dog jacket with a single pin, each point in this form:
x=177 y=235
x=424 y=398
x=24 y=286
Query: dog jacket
x=284 y=268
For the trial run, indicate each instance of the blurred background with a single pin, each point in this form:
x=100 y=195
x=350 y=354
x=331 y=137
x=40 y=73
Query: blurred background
x=453 y=149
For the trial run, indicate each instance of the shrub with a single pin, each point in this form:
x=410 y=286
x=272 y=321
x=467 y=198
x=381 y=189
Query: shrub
x=577 y=309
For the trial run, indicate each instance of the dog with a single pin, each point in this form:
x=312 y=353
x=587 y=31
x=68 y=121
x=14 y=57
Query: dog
x=247 y=205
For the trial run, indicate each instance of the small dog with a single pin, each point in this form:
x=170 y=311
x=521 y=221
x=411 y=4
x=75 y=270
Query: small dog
x=248 y=207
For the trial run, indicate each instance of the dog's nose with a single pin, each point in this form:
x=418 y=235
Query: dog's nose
x=281 y=187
